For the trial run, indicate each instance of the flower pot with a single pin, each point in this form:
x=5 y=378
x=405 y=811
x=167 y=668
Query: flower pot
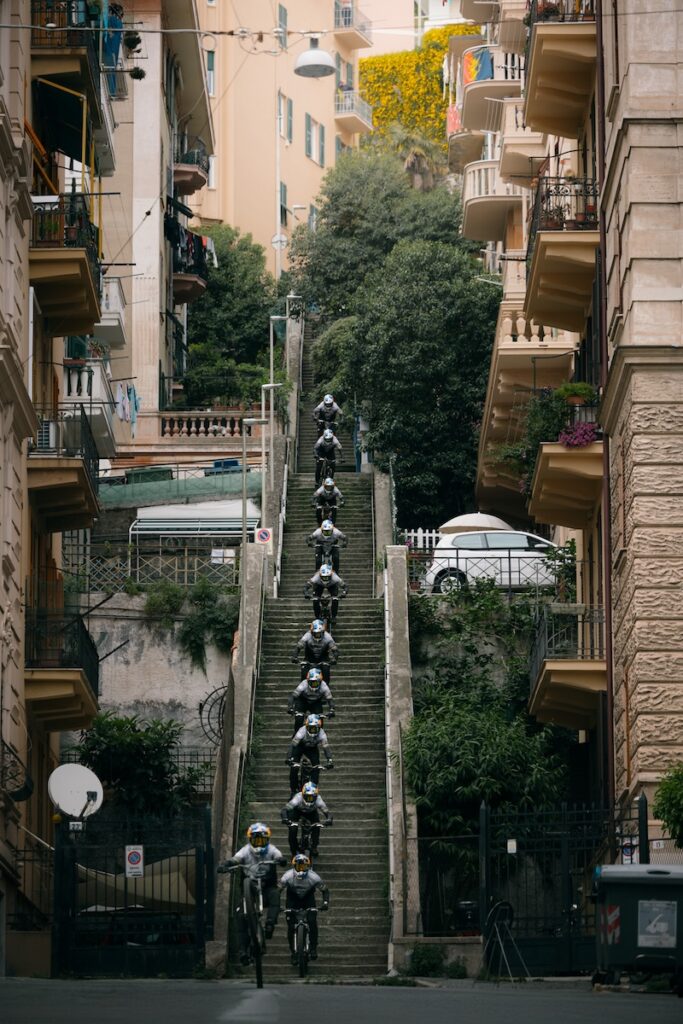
x=575 y=400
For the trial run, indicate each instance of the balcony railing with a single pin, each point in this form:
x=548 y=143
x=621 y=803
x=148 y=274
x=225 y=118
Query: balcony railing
x=189 y=257
x=350 y=102
x=55 y=640
x=63 y=222
x=15 y=779
x=66 y=25
x=561 y=10
x=564 y=204
x=66 y=433
x=574 y=633
x=347 y=15
x=194 y=153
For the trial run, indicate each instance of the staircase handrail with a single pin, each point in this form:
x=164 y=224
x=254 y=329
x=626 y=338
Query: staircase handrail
x=388 y=765
x=300 y=382
x=282 y=519
x=374 y=537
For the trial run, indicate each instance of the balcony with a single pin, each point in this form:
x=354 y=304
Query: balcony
x=568 y=668
x=560 y=66
x=190 y=271
x=512 y=34
x=488 y=204
x=112 y=325
x=567 y=484
x=487 y=74
x=62 y=470
x=526 y=357
x=463 y=147
x=481 y=12
x=191 y=168
x=351 y=26
x=104 y=135
x=352 y=113
x=521 y=150
x=64 y=50
x=62 y=670
x=563 y=241
x=86 y=383
x=64 y=266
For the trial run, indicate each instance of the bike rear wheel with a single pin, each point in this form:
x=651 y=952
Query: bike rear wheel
x=254 y=931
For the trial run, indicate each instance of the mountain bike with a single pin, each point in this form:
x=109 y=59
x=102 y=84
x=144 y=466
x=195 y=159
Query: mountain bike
x=302 y=940
x=306 y=769
x=251 y=906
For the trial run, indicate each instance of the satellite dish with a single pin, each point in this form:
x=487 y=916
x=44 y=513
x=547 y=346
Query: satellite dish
x=75 y=790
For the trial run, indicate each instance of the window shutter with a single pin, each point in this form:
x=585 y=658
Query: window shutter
x=282 y=25
x=338 y=62
x=283 y=203
x=309 y=134
x=321 y=139
x=290 y=120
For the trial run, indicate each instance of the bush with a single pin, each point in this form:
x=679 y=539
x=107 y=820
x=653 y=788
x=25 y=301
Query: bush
x=668 y=805
x=456 y=968
x=426 y=961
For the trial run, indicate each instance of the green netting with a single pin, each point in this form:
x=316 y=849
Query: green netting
x=166 y=492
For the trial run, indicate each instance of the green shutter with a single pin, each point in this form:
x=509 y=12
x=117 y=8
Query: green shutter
x=309 y=141
x=349 y=74
x=338 y=62
x=290 y=120
x=282 y=25
x=321 y=138
x=283 y=203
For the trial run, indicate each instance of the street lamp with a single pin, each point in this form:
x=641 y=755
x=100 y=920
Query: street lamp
x=264 y=388
x=249 y=421
x=273 y=321
x=314 y=62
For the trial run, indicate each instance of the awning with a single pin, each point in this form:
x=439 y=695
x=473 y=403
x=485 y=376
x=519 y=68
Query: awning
x=203 y=519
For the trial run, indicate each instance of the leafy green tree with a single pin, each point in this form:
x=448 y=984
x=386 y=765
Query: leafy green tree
x=422 y=157
x=229 y=326
x=136 y=760
x=668 y=804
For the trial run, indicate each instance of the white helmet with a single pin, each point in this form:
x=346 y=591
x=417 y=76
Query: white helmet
x=325 y=571
x=328 y=400
x=328 y=435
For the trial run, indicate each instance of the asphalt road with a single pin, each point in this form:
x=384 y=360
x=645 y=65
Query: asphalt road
x=28 y=1001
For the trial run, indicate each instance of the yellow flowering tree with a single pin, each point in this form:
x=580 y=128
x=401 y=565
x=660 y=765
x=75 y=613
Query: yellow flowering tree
x=406 y=87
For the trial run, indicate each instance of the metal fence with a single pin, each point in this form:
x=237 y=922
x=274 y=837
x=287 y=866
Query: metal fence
x=63 y=221
x=445 y=872
x=175 y=482
x=55 y=640
x=447 y=569
x=200 y=762
x=32 y=909
x=113 y=565
x=69 y=28
x=570 y=632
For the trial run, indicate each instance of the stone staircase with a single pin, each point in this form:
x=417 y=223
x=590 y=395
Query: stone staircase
x=353 y=859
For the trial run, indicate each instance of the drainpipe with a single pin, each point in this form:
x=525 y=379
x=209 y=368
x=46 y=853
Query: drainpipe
x=604 y=354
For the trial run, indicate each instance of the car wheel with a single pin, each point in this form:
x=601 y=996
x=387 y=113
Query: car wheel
x=449 y=581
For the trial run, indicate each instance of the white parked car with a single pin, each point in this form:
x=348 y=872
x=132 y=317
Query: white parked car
x=511 y=558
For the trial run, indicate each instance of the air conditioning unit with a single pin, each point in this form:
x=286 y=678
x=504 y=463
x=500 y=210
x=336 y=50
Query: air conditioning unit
x=48 y=434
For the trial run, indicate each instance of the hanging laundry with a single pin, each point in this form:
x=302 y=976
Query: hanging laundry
x=210 y=249
x=126 y=407
x=134 y=402
x=119 y=402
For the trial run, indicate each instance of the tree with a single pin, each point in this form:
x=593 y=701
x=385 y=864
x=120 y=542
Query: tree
x=229 y=326
x=668 y=805
x=423 y=159
x=136 y=760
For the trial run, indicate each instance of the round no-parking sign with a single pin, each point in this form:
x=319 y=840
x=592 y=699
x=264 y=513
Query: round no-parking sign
x=135 y=861
x=264 y=535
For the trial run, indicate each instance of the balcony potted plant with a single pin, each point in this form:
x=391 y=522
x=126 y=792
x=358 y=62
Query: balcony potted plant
x=552 y=219
x=576 y=393
x=547 y=10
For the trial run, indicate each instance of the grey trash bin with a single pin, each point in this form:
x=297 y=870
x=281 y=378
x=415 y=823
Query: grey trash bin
x=639 y=920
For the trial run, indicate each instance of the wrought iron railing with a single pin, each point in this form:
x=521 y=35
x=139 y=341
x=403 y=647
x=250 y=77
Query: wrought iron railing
x=66 y=433
x=15 y=779
x=347 y=15
x=55 y=640
x=564 y=204
x=201 y=762
x=63 y=222
x=193 y=152
x=570 y=633
x=350 y=102
x=32 y=910
x=189 y=257
x=561 y=10
x=65 y=25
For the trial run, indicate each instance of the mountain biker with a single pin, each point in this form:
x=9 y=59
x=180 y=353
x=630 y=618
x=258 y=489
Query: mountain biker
x=327 y=500
x=325 y=579
x=316 y=647
x=307 y=805
x=325 y=414
x=326 y=449
x=327 y=540
x=259 y=857
x=309 y=697
x=308 y=741
x=300 y=883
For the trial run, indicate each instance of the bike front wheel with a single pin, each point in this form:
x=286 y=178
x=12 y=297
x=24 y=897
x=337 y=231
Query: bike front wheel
x=302 y=949
x=254 y=931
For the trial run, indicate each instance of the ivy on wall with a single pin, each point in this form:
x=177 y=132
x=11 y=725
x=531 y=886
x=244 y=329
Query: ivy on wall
x=407 y=87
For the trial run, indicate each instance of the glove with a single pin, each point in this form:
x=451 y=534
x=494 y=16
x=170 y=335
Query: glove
x=223 y=868
x=330 y=822
x=330 y=765
x=325 y=906
x=330 y=713
x=289 y=761
x=290 y=709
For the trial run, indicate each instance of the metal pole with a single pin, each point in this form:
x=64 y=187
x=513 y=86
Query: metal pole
x=272 y=410
x=278 y=251
x=263 y=455
x=243 y=550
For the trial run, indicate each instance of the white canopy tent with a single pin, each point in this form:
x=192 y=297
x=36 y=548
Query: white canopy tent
x=474 y=521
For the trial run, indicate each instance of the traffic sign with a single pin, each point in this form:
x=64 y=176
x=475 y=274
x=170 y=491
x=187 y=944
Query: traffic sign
x=135 y=861
x=264 y=535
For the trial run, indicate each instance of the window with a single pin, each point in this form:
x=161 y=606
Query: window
x=506 y=540
x=469 y=541
x=211 y=182
x=341 y=147
x=349 y=75
x=312 y=217
x=314 y=141
x=211 y=72
x=282 y=25
x=283 y=204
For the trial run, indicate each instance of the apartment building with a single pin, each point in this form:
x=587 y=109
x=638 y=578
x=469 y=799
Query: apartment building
x=278 y=132
x=90 y=279
x=565 y=132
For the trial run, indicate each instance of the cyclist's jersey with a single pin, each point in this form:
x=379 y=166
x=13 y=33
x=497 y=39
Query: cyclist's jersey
x=327 y=542
x=297 y=803
x=323 y=692
x=323 y=497
x=299 y=884
x=258 y=865
x=301 y=736
x=317 y=649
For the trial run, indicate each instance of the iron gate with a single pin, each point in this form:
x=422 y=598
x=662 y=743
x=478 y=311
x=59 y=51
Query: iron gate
x=109 y=924
x=538 y=866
